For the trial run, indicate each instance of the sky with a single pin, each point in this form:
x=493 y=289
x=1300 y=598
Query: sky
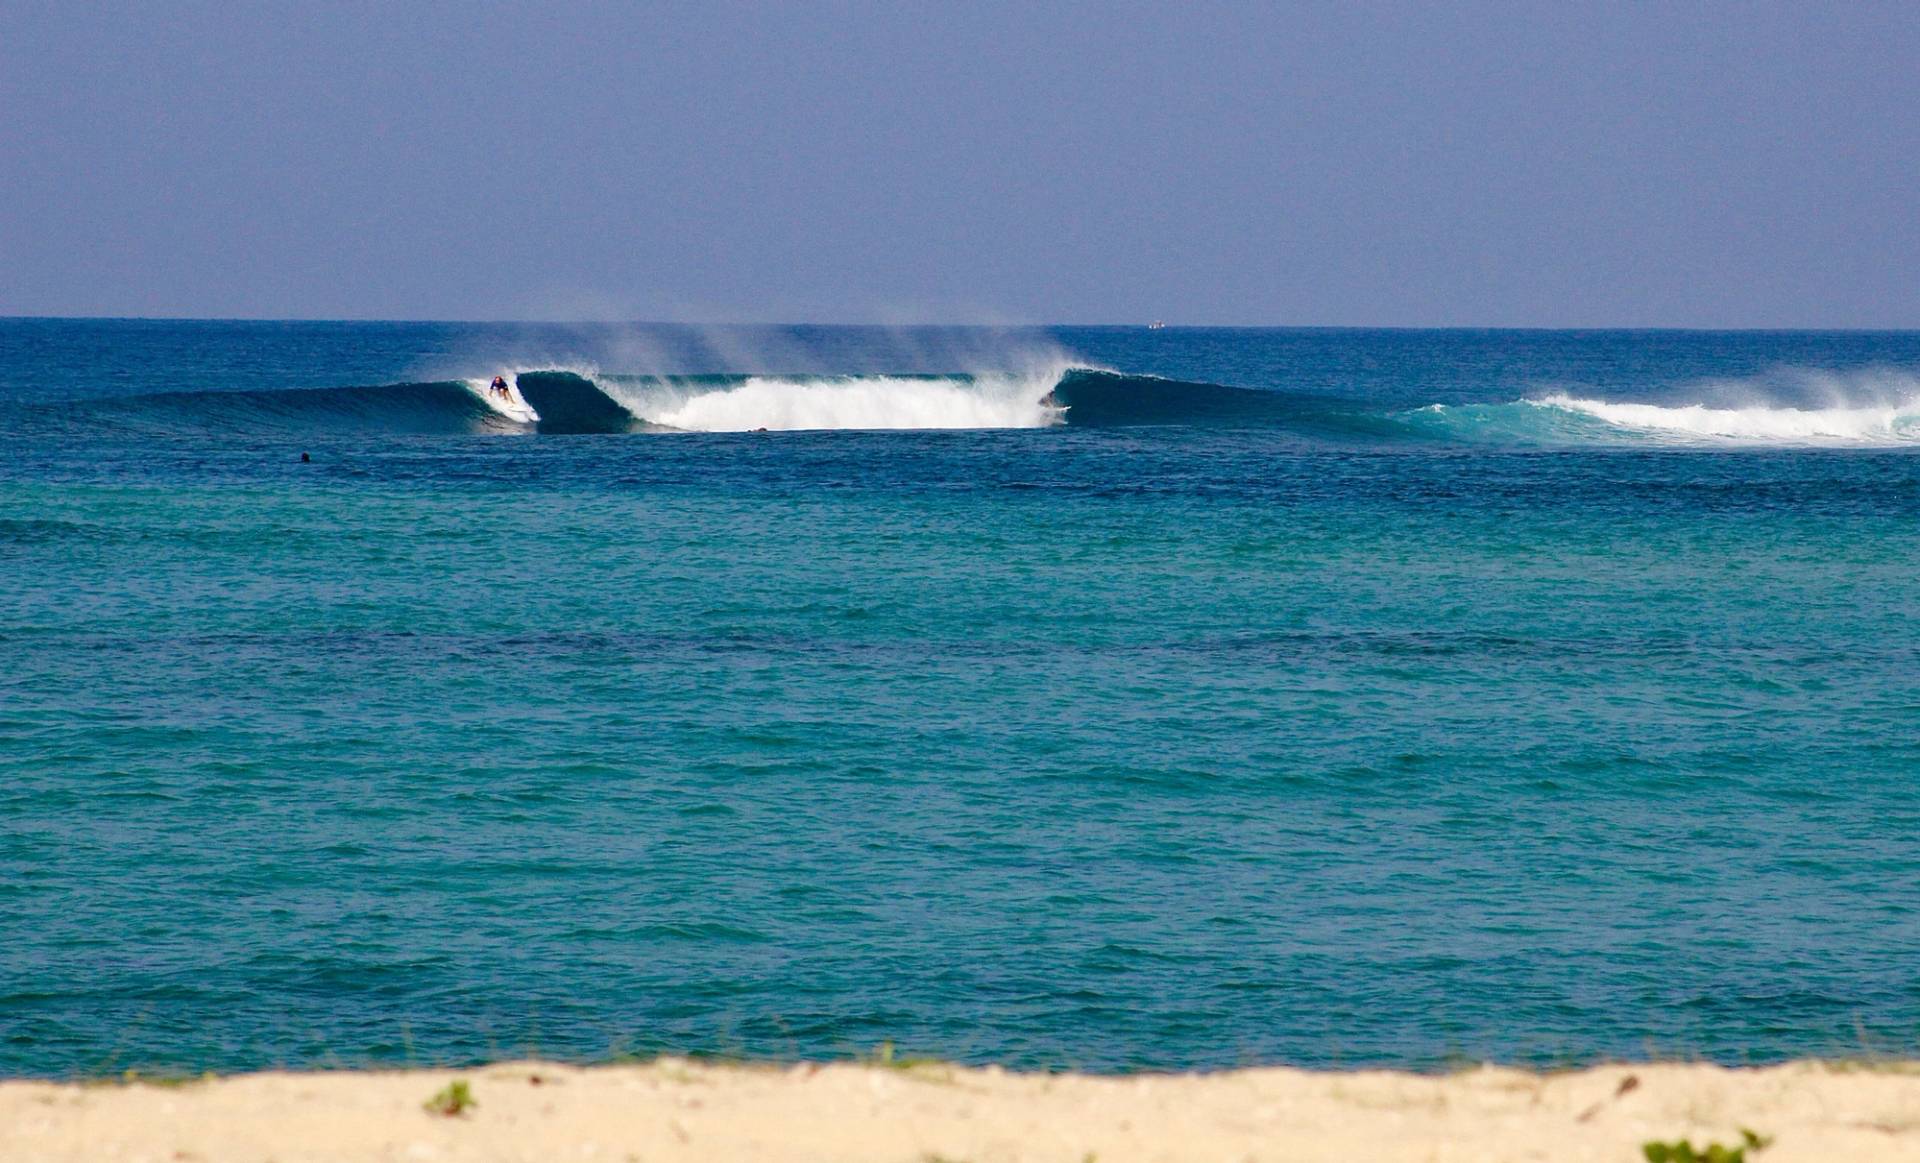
x=1372 y=164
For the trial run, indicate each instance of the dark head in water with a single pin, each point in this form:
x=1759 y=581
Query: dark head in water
x=305 y=459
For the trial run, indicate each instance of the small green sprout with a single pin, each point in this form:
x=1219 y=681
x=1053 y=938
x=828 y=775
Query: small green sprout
x=454 y=1100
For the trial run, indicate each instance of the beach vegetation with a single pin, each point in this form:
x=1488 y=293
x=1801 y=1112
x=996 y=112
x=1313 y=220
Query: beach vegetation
x=150 y=1078
x=1683 y=1150
x=677 y=1071
x=453 y=1100
x=885 y=1057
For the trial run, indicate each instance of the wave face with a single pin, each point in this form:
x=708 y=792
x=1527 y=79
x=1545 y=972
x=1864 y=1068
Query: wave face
x=1108 y=399
x=437 y=408
x=568 y=403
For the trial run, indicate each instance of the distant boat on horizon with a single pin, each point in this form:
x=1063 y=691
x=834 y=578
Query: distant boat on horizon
x=1156 y=325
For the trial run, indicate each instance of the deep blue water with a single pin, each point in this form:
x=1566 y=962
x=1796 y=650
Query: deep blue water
x=1321 y=697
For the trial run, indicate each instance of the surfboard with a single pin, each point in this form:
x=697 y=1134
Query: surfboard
x=513 y=405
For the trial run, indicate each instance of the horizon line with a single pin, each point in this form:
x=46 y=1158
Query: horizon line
x=976 y=326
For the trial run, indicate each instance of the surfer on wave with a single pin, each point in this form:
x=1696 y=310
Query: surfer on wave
x=499 y=388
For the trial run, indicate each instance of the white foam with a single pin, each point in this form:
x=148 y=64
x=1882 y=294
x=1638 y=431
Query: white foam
x=514 y=407
x=992 y=400
x=1879 y=423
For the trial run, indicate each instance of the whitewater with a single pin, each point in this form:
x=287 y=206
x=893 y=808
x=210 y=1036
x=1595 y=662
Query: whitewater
x=1781 y=408
x=1897 y=423
x=846 y=402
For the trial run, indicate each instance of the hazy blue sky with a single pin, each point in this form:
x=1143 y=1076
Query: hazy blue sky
x=1675 y=164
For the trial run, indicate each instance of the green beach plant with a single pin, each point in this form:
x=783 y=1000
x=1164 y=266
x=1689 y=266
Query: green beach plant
x=149 y=1078
x=1683 y=1150
x=926 y=1069
x=452 y=1101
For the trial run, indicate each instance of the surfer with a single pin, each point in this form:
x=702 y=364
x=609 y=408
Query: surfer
x=499 y=388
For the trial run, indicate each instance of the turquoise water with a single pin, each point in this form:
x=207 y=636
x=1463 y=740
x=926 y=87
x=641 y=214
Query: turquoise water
x=1245 y=696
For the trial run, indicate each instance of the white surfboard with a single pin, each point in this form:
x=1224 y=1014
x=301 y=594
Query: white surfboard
x=513 y=406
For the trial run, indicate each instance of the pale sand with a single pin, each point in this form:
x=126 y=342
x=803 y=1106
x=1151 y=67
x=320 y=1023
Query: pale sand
x=672 y=1110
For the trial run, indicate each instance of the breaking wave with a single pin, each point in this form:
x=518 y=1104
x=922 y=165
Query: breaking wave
x=1893 y=424
x=580 y=401
x=1869 y=409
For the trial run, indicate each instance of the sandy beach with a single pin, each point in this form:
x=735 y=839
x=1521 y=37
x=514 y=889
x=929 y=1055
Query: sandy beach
x=677 y=1110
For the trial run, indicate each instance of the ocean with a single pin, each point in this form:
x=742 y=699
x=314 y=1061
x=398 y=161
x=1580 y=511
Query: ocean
x=1097 y=698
